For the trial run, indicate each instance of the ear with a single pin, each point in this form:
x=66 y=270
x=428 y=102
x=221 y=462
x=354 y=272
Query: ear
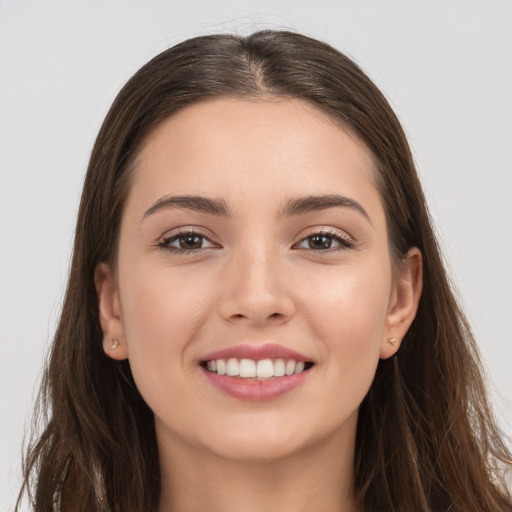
x=404 y=302
x=114 y=342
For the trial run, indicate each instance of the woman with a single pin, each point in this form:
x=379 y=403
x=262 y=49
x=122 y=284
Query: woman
x=257 y=315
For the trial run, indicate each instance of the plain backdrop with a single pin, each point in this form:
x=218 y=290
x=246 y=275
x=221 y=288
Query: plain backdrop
x=446 y=68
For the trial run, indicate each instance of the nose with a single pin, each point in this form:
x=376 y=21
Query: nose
x=256 y=289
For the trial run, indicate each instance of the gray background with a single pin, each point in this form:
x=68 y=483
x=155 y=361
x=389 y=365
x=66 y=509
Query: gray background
x=445 y=66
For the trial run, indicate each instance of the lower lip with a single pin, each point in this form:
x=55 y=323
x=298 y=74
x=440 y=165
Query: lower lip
x=256 y=390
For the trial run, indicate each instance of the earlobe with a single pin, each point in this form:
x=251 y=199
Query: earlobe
x=109 y=310
x=404 y=302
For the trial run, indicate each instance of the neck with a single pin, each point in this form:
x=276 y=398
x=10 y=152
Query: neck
x=318 y=478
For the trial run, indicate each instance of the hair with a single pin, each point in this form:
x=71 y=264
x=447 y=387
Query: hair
x=426 y=438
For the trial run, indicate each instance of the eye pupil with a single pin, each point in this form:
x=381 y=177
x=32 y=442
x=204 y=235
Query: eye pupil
x=190 y=241
x=319 y=242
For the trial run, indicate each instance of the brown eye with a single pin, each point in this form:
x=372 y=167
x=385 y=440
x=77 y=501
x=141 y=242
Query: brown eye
x=325 y=241
x=186 y=242
x=319 y=242
x=190 y=241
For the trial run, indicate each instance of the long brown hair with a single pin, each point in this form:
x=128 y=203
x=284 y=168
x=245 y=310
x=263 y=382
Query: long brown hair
x=426 y=437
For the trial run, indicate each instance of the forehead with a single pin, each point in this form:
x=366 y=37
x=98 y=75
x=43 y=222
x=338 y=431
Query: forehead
x=250 y=149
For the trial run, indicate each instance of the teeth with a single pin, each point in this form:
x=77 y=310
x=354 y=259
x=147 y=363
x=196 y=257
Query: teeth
x=290 y=368
x=265 y=369
x=221 y=367
x=279 y=368
x=250 y=369
x=233 y=368
x=247 y=368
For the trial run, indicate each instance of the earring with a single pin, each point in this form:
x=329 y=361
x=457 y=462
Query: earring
x=392 y=341
x=114 y=344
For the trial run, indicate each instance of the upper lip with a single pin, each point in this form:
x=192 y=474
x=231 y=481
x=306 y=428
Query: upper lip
x=256 y=352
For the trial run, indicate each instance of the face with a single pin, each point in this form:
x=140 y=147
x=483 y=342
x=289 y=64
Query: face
x=253 y=240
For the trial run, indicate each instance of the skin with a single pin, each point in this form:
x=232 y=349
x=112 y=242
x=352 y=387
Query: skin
x=256 y=280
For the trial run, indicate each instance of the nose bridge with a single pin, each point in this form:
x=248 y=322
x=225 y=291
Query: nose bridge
x=255 y=286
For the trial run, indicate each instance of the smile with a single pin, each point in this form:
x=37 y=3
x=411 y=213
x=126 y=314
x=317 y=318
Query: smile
x=256 y=372
x=253 y=369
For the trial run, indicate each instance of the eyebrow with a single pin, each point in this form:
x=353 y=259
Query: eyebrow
x=293 y=207
x=196 y=203
x=316 y=203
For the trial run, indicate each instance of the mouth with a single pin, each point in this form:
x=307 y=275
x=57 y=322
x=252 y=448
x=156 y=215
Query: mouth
x=256 y=373
x=254 y=369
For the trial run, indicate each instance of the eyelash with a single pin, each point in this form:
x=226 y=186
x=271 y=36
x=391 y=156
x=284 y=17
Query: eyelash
x=344 y=242
x=165 y=242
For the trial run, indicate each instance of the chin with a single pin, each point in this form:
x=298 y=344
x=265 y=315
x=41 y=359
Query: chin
x=263 y=439
x=257 y=450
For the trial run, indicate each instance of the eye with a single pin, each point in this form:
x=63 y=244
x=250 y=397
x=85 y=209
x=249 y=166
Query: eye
x=326 y=241
x=186 y=241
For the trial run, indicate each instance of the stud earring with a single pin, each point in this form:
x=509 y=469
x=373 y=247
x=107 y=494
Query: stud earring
x=114 y=344
x=392 y=341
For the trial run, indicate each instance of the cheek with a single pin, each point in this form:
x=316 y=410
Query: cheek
x=348 y=318
x=354 y=303
x=163 y=306
x=162 y=313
